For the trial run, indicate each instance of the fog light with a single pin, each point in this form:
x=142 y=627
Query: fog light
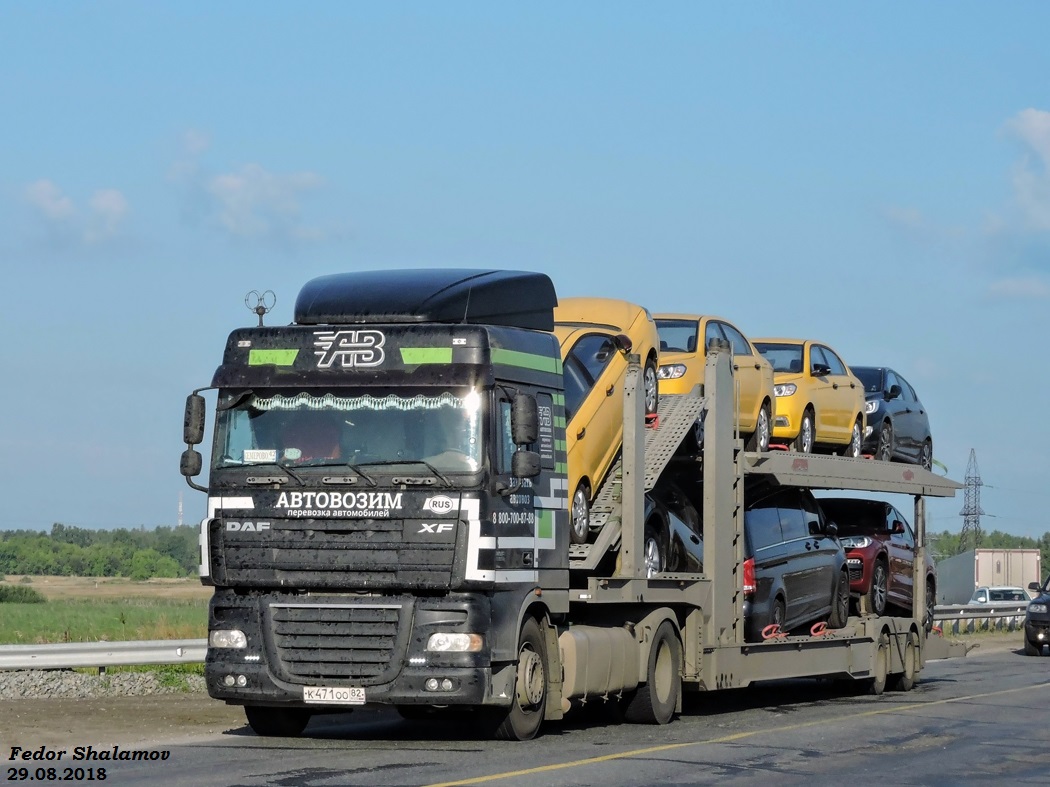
x=431 y=684
x=228 y=680
x=446 y=685
x=231 y=638
x=242 y=681
x=445 y=642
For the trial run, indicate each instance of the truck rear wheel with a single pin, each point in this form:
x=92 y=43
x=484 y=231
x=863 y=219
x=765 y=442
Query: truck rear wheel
x=521 y=722
x=905 y=681
x=881 y=668
x=277 y=722
x=655 y=702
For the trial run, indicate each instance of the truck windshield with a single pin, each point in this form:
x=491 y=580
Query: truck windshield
x=334 y=428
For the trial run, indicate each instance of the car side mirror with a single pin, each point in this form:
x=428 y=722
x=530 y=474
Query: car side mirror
x=898 y=526
x=623 y=343
x=1035 y=586
x=831 y=529
x=894 y=392
x=821 y=370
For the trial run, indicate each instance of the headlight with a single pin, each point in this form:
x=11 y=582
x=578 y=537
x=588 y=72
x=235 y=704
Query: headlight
x=671 y=372
x=856 y=542
x=231 y=638
x=454 y=643
x=872 y=406
x=1039 y=609
x=787 y=389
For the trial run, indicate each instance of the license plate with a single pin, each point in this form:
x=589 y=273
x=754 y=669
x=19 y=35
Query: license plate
x=334 y=695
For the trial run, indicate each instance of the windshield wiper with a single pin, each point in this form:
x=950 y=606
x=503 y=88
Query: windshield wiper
x=423 y=462
x=269 y=480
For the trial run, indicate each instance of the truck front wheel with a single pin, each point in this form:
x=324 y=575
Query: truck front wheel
x=277 y=722
x=521 y=722
x=656 y=701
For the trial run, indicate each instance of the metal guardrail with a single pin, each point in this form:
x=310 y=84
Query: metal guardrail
x=103 y=654
x=957 y=619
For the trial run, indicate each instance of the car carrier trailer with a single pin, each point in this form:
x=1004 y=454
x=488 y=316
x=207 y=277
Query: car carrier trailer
x=400 y=583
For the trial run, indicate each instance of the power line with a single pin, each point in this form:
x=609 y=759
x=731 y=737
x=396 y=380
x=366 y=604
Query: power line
x=971 y=512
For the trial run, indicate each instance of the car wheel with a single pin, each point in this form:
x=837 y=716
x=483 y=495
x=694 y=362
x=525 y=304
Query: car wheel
x=778 y=612
x=931 y=603
x=654 y=553
x=277 y=722
x=884 y=450
x=879 y=586
x=840 y=602
x=806 y=434
x=580 y=522
x=1031 y=649
x=651 y=386
x=855 y=437
x=759 y=440
x=926 y=455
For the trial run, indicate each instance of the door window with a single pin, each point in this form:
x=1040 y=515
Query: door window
x=740 y=344
x=762 y=525
x=712 y=331
x=816 y=356
x=836 y=364
x=792 y=522
x=593 y=353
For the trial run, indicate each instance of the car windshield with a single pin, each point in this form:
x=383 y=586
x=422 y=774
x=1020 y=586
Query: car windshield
x=334 y=428
x=677 y=336
x=784 y=357
x=870 y=376
x=1009 y=594
x=855 y=518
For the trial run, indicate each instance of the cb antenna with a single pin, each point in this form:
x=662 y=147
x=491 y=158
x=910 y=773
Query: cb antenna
x=260 y=303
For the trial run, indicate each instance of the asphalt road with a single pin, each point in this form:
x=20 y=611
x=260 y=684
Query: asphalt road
x=978 y=720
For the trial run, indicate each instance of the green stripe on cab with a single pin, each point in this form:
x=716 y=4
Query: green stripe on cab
x=540 y=363
x=413 y=356
x=272 y=357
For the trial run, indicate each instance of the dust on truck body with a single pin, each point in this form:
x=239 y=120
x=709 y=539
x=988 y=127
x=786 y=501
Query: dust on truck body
x=422 y=559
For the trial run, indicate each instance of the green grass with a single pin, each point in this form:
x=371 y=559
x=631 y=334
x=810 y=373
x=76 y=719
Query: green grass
x=112 y=619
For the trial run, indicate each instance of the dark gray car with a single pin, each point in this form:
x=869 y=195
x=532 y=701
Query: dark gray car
x=898 y=424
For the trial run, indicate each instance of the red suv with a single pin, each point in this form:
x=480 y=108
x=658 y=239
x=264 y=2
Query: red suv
x=880 y=553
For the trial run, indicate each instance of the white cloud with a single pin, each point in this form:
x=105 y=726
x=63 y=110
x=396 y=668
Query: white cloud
x=1031 y=177
x=256 y=203
x=108 y=209
x=49 y=200
x=1020 y=287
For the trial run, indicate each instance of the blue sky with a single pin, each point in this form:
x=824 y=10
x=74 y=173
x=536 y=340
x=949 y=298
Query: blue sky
x=874 y=176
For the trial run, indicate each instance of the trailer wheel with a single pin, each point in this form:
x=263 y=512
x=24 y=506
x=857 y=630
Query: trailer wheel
x=277 y=722
x=521 y=722
x=877 y=684
x=655 y=702
x=905 y=681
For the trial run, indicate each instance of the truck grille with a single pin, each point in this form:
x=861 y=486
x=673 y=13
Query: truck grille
x=363 y=554
x=352 y=643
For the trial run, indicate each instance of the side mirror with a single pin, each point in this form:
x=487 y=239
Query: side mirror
x=831 y=529
x=894 y=392
x=525 y=464
x=623 y=343
x=524 y=419
x=193 y=421
x=190 y=464
x=821 y=370
x=1035 y=586
x=898 y=526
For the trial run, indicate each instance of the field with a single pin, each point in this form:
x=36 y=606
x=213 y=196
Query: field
x=88 y=609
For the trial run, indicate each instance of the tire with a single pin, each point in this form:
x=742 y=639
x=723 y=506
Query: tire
x=277 y=722
x=884 y=450
x=655 y=702
x=931 y=602
x=522 y=721
x=840 y=602
x=580 y=514
x=807 y=434
x=881 y=668
x=877 y=595
x=855 y=440
x=1031 y=649
x=654 y=550
x=926 y=455
x=759 y=439
x=905 y=681
x=778 y=612
x=650 y=385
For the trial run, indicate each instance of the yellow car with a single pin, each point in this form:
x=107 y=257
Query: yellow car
x=682 y=358
x=596 y=335
x=820 y=402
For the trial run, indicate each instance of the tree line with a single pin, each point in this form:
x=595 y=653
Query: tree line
x=76 y=551
x=946 y=544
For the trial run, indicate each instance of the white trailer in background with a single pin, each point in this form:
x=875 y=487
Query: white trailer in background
x=960 y=575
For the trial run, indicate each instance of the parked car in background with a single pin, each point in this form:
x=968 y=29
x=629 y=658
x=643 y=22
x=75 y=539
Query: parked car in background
x=880 y=554
x=897 y=424
x=596 y=336
x=683 y=355
x=819 y=402
x=1037 y=619
x=1000 y=595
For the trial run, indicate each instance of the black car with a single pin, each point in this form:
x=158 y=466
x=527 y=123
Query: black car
x=1037 y=619
x=898 y=426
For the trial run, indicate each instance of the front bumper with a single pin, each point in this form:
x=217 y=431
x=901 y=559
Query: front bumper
x=1037 y=631
x=369 y=643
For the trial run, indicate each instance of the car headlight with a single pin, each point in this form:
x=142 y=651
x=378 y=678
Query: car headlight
x=786 y=389
x=872 y=406
x=671 y=372
x=1039 y=609
x=856 y=542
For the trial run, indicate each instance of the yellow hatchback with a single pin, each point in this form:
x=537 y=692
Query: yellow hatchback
x=820 y=402
x=596 y=336
x=683 y=355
